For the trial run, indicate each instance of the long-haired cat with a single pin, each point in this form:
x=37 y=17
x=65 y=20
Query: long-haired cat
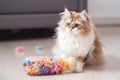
x=77 y=37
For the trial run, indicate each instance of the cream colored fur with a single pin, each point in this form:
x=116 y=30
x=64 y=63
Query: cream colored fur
x=72 y=44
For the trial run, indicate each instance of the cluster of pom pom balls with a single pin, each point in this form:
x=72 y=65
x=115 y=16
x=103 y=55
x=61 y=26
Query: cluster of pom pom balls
x=35 y=66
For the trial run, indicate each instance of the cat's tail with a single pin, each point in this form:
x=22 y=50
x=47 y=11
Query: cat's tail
x=96 y=54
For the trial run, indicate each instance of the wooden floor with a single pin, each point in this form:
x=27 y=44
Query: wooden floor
x=11 y=69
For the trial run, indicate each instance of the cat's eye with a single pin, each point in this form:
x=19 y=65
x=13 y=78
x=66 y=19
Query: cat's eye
x=68 y=24
x=76 y=24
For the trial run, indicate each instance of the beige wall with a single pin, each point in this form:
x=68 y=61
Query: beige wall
x=104 y=11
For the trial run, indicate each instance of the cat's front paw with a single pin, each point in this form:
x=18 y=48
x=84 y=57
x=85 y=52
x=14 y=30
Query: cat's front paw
x=79 y=67
x=79 y=70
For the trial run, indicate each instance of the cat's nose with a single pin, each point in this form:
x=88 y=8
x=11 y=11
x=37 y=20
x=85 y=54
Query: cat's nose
x=71 y=28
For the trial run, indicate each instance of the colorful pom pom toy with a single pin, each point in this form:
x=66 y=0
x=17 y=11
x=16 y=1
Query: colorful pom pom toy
x=35 y=66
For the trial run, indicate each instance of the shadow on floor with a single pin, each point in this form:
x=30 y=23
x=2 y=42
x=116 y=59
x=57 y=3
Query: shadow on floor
x=111 y=63
x=6 y=35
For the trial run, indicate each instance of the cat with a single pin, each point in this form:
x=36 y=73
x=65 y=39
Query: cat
x=77 y=37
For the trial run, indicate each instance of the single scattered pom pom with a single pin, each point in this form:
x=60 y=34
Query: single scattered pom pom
x=39 y=48
x=44 y=65
x=20 y=49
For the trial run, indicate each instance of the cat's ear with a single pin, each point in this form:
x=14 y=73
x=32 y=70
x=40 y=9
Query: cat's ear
x=84 y=15
x=66 y=12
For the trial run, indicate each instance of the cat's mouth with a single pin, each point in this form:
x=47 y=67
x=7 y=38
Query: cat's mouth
x=72 y=28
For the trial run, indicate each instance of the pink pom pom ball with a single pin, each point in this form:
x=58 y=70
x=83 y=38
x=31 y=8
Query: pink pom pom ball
x=20 y=49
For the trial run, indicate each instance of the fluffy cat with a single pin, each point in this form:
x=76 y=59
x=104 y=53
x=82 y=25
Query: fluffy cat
x=77 y=37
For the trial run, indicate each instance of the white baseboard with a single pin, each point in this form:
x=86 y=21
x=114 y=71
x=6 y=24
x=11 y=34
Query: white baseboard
x=106 y=20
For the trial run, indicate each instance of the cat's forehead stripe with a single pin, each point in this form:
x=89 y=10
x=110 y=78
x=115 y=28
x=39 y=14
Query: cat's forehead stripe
x=75 y=15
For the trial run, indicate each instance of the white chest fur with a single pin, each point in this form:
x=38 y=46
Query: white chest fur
x=75 y=46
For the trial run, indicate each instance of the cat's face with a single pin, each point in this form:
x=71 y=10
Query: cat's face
x=74 y=22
